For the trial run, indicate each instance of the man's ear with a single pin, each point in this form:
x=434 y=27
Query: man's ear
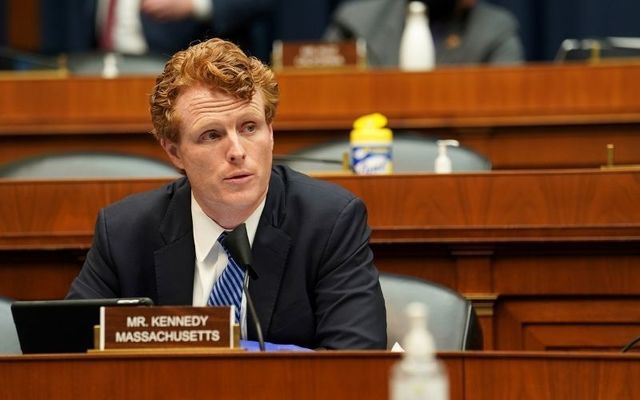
x=173 y=152
x=271 y=134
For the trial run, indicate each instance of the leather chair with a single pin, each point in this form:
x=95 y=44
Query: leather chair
x=412 y=152
x=9 y=343
x=451 y=320
x=87 y=164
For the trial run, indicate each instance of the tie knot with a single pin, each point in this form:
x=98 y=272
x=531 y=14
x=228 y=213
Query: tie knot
x=221 y=240
x=222 y=237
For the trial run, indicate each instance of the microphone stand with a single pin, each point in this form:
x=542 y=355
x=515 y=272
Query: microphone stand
x=238 y=244
x=252 y=311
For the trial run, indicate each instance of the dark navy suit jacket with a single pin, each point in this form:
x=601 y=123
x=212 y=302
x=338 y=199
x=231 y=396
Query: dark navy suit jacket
x=316 y=287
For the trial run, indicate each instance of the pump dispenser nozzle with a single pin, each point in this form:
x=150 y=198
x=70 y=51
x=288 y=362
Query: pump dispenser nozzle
x=443 y=162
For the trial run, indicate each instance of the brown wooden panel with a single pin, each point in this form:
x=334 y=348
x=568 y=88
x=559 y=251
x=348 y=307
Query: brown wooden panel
x=591 y=336
x=482 y=208
x=500 y=112
x=560 y=146
x=64 y=210
x=318 y=375
x=447 y=95
x=433 y=265
x=574 y=323
x=544 y=199
x=39 y=275
x=487 y=235
x=533 y=377
x=589 y=268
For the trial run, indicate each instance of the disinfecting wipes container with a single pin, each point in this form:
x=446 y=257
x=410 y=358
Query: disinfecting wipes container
x=371 y=145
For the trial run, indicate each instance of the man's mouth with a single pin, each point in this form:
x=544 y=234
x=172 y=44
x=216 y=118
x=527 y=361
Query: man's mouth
x=239 y=177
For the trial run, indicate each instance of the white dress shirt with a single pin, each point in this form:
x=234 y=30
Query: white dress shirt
x=211 y=259
x=127 y=34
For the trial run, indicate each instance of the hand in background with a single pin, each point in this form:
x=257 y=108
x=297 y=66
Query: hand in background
x=167 y=10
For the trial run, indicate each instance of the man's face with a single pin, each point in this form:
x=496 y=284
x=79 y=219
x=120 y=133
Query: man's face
x=225 y=148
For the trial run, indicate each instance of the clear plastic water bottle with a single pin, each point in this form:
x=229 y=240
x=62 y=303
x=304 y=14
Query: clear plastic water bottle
x=419 y=375
x=417 y=51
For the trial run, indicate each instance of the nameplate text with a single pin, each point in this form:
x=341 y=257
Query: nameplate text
x=164 y=326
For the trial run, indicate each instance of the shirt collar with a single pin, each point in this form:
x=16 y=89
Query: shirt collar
x=206 y=231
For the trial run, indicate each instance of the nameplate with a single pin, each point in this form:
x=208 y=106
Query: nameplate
x=165 y=327
x=319 y=54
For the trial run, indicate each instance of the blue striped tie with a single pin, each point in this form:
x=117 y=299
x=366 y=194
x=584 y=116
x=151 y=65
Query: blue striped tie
x=227 y=290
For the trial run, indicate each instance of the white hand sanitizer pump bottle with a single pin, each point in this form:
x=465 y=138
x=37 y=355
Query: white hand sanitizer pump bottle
x=419 y=375
x=417 y=51
x=443 y=162
x=110 y=66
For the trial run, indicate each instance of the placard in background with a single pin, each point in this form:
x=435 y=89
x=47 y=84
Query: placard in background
x=347 y=54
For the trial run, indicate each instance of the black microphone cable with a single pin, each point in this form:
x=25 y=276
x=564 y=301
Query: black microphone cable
x=252 y=311
x=630 y=345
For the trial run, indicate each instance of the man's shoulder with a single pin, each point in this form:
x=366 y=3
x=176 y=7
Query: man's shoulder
x=497 y=15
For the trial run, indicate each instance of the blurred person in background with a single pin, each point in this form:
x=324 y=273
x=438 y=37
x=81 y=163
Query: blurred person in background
x=464 y=31
x=162 y=27
x=153 y=27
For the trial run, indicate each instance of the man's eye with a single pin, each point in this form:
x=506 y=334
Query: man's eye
x=250 y=128
x=210 y=135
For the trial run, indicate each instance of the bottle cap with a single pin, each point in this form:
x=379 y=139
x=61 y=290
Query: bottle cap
x=417 y=7
x=371 y=127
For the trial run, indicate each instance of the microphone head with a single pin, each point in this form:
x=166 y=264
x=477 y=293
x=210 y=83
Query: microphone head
x=237 y=242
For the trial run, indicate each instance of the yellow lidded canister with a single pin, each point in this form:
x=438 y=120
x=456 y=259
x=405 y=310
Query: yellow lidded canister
x=371 y=145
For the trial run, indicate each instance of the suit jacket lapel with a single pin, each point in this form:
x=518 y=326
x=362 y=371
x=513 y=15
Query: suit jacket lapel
x=175 y=260
x=270 y=249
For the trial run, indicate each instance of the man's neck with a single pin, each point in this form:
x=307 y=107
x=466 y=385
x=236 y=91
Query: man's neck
x=229 y=217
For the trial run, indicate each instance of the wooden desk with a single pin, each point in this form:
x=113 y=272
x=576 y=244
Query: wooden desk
x=551 y=258
x=535 y=116
x=309 y=376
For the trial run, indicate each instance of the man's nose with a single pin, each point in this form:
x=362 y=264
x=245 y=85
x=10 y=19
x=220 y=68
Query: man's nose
x=236 y=151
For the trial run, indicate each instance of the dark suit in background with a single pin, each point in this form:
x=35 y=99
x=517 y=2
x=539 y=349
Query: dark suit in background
x=314 y=288
x=69 y=26
x=482 y=34
x=296 y=20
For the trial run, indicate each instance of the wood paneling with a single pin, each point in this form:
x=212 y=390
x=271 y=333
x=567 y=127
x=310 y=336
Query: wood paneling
x=318 y=375
x=467 y=209
x=519 y=244
x=568 y=324
x=535 y=116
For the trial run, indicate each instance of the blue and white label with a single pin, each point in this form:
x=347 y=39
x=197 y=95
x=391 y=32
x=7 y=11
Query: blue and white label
x=371 y=160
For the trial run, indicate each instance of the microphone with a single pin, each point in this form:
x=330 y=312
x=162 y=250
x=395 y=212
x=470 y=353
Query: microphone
x=237 y=243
